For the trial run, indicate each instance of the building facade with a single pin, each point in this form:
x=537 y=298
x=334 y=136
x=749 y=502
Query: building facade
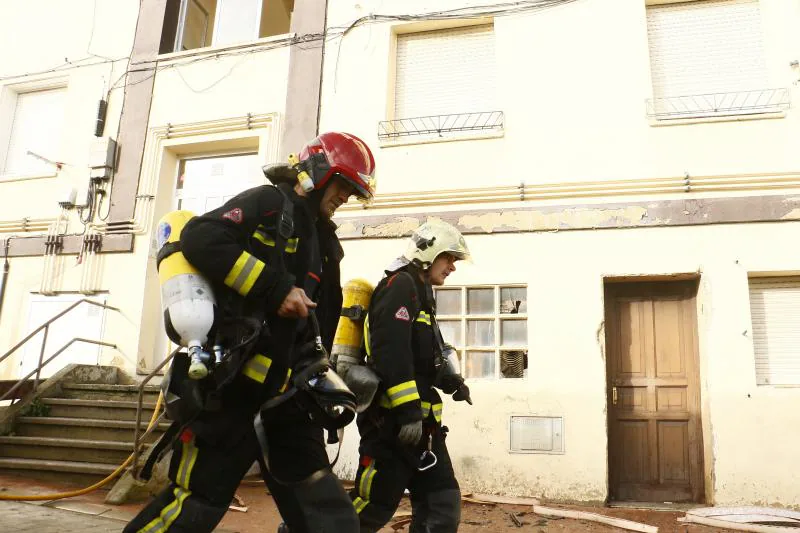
x=626 y=175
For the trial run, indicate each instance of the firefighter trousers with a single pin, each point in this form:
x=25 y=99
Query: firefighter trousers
x=381 y=482
x=210 y=459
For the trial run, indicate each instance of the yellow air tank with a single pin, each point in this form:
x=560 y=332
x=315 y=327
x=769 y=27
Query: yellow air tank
x=356 y=295
x=186 y=296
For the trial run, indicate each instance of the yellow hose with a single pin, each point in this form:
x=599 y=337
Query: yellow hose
x=87 y=490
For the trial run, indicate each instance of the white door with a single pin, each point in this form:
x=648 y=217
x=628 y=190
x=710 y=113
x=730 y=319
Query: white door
x=85 y=321
x=203 y=184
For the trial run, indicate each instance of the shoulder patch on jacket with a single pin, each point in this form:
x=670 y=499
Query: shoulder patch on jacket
x=234 y=215
x=402 y=314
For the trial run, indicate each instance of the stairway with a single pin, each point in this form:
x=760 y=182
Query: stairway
x=86 y=434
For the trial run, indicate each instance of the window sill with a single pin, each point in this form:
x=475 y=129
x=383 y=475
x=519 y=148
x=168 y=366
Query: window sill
x=216 y=50
x=7 y=178
x=443 y=138
x=708 y=120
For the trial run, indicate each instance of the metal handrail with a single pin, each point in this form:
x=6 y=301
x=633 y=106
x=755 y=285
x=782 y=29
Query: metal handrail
x=137 y=439
x=46 y=327
x=43 y=364
x=403 y=127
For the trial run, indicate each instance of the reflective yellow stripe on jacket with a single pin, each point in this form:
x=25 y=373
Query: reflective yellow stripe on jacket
x=437 y=411
x=366 y=336
x=170 y=513
x=402 y=393
x=244 y=273
x=257 y=367
x=262 y=236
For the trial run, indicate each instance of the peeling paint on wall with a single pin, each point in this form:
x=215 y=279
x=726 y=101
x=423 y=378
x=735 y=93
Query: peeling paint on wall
x=542 y=221
x=401 y=226
x=687 y=212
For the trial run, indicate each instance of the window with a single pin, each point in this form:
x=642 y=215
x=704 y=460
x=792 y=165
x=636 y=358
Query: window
x=489 y=328
x=444 y=81
x=775 y=312
x=36 y=130
x=205 y=183
x=191 y=24
x=707 y=59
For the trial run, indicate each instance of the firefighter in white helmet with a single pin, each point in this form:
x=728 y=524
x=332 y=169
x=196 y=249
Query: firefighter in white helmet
x=402 y=437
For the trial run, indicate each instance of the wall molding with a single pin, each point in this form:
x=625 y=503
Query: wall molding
x=640 y=213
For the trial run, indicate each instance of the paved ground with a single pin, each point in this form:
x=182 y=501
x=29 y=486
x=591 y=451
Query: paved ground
x=90 y=514
x=28 y=518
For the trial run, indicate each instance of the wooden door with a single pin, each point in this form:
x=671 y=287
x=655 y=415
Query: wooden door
x=655 y=439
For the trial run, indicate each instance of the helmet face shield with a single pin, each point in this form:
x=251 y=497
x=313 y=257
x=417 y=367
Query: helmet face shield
x=450 y=358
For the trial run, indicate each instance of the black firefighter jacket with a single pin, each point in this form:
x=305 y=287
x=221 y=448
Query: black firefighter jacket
x=401 y=349
x=234 y=247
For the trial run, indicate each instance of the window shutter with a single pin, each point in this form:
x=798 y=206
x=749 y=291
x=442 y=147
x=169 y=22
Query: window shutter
x=37 y=127
x=706 y=47
x=775 y=311
x=445 y=72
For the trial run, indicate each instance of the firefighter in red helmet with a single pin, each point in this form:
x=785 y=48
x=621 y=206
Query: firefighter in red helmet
x=272 y=255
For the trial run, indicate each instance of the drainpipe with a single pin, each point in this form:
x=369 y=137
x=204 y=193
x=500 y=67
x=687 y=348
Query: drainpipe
x=4 y=279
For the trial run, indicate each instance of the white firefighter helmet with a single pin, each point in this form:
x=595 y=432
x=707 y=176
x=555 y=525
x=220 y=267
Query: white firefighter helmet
x=432 y=239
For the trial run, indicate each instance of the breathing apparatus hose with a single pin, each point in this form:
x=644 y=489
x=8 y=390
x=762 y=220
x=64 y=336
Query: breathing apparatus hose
x=92 y=488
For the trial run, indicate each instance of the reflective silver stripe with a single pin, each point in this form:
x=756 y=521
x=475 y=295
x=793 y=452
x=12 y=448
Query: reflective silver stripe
x=437 y=411
x=257 y=367
x=363 y=486
x=359 y=504
x=402 y=393
x=426 y=409
x=189 y=454
x=248 y=267
x=168 y=514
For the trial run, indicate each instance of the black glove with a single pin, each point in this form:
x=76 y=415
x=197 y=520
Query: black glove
x=450 y=384
x=462 y=394
x=410 y=433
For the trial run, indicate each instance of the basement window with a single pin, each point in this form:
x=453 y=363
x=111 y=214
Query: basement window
x=488 y=326
x=193 y=24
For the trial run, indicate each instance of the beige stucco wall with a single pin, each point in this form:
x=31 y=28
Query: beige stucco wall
x=196 y=91
x=48 y=42
x=572 y=82
x=750 y=445
x=84 y=48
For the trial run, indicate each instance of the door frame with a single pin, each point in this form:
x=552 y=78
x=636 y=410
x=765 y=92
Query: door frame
x=649 y=285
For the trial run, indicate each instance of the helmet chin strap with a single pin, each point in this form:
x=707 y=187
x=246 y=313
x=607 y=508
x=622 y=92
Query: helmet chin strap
x=314 y=200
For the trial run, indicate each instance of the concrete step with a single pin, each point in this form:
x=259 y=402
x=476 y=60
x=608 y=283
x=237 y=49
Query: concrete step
x=76 y=467
x=98 y=409
x=94 y=391
x=61 y=449
x=82 y=428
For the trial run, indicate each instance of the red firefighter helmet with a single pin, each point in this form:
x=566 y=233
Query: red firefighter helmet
x=341 y=154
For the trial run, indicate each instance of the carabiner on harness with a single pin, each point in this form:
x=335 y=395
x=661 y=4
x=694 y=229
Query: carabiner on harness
x=428 y=456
